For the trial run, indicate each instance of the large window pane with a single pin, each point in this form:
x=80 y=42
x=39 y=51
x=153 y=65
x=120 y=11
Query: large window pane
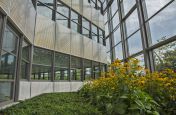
x=85 y=27
x=61 y=66
x=41 y=72
x=44 y=7
x=96 y=70
x=25 y=60
x=42 y=56
x=61 y=73
x=62 y=14
x=25 y=50
x=24 y=70
x=114 y=7
x=76 y=68
x=154 y=5
x=132 y=23
x=87 y=69
x=162 y=26
x=135 y=43
x=128 y=4
x=6 y=91
x=75 y=22
x=165 y=56
x=9 y=41
x=117 y=36
x=115 y=20
x=118 y=51
x=94 y=33
x=7 y=67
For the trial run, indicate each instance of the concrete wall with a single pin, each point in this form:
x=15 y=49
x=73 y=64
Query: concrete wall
x=31 y=89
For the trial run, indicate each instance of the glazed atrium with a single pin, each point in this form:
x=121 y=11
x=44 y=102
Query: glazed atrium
x=54 y=45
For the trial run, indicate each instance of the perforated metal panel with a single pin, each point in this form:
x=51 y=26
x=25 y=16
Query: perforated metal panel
x=63 y=39
x=101 y=21
x=96 y=51
x=103 y=54
x=77 y=5
x=22 y=13
x=18 y=13
x=30 y=21
x=5 y=5
x=76 y=44
x=87 y=46
x=84 y=8
x=45 y=33
x=95 y=16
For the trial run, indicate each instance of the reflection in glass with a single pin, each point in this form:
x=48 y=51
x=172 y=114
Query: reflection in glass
x=61 y=73
x=61 y=66
x=165 y=57
x=6 y=91
x=41 y=72
x=135 y=43
x=24 y=70
x=25 y=60
x=114 y=7
x=128 y=4
x=76 y=68
x=115 y=20
x=85 y=27
x=118 y=51
x=87 y=69
x=7 y=67
x=94 y=33
x=154 y=5
x=74 y=22
x=62 y=14
x=96 y=70
x=117 y=36
x=44 y=10
x=25 y=50
x=42 y=56
x=132 y=23
x=162 y=26
x=9 y=41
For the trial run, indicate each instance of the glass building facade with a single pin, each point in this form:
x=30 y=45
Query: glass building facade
x=142 y=29
x=54 y=45
x=49 y=42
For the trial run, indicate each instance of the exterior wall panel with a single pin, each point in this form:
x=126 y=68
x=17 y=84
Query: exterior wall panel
x=87 y=12
x=63 y=39
x=5 y=5
x=45 y=33
x=30 y=21
x=103 y=54
x=96 y=51
x=87 y=46
x=22 y=13
x=18 y=10
x=76 y=44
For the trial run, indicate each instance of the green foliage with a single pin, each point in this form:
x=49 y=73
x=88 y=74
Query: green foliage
x=128 y=89
x=53 y=104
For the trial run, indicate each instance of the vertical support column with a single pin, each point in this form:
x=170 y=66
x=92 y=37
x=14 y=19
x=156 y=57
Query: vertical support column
x=123 y=31
x=52 y=67
x=55 y=9
x=82 y=72
x=148 y=55
x=3 y=22
x=69 y=72
x=18 y=68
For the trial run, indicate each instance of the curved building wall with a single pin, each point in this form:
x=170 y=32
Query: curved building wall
x=35 y=36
